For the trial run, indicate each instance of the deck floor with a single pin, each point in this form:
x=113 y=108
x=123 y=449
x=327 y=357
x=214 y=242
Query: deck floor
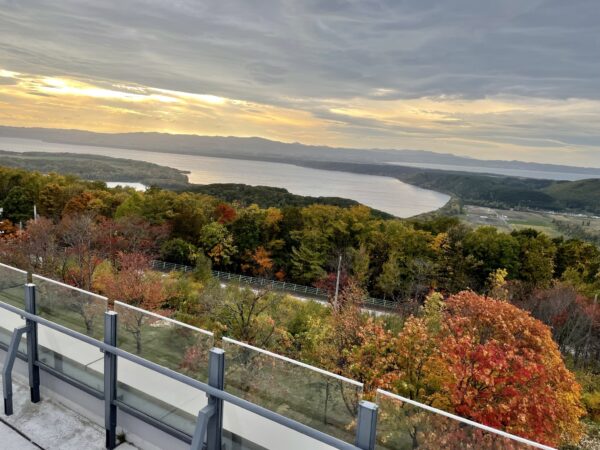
x=47 y=425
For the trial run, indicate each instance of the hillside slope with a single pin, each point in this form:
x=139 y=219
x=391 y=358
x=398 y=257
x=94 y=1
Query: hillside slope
x=95 y=167
x=582 y=194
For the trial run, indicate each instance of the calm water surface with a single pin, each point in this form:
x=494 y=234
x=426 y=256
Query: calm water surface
x=133 y=184
x=383 y=193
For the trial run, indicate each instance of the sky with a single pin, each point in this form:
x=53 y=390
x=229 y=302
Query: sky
x=509 y=79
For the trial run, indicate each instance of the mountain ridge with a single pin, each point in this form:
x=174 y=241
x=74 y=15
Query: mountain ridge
x=266 y=149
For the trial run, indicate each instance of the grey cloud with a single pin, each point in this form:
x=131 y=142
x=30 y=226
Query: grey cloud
x=318 y=49
x=296 y=53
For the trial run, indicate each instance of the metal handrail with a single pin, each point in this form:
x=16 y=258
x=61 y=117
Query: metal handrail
x=293 y=361
x=167 y=319
x=222 y=395
x=463 y=420
x=14 y=269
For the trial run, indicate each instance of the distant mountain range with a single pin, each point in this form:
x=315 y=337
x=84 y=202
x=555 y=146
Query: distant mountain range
x=264 y=149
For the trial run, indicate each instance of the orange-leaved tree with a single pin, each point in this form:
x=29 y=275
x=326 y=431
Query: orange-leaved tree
x=483 y=359
x=503 y=369
x=135 y=284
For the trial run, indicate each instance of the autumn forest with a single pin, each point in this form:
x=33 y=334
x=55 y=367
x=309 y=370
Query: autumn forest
x=500 y=328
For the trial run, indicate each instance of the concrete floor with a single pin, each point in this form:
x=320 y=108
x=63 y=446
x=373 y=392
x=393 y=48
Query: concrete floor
x=47 y=425
x=9 y=438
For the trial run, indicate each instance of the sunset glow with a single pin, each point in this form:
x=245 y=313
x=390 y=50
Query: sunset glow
x=476 y=127
x=483 y=79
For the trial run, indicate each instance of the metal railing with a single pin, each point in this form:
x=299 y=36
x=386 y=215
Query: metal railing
x=208 y=429
x=463 y=421
x=284 y=286
x=209 y=424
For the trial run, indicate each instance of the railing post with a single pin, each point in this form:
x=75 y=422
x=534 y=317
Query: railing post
x=32 y=344
x=216 y=379
x=366 y=426
x=110 y=380
x=9 y=361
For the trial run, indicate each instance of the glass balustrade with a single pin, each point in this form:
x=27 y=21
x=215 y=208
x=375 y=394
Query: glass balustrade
x=406 y=425
x=12 y=286
x=314 y=397
x=306 y=394
x=171 y=344
x=71 y=307
x=79 y=311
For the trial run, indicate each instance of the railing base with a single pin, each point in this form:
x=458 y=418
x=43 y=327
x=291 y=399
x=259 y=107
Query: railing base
x=35 y=394
x=8 y=406
x=9 y=362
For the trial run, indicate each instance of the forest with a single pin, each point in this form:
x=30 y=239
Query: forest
x=266 y=196
x=499 y=328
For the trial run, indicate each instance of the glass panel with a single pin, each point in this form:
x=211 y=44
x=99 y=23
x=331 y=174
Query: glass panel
x=172 y=402
x=171 y=344
x=12 y=282
x=71 y=357
x=73 y=308
x=404 y=426
x=8 y=322
x=250 y=431
x=303 y=393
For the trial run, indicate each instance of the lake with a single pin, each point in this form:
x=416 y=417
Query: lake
x=132 y=184
x=382 y=193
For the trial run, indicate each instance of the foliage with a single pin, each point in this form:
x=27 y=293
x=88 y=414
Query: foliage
x=133 y=283
x=502 y=368
x=591 y=401
x=18 y=205
x=247 y=316
x=216 y=240
x=178 y=251
x=482 y=358
x=486 y=360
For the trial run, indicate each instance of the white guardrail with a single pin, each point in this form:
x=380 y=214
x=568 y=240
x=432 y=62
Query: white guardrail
x=284 y=286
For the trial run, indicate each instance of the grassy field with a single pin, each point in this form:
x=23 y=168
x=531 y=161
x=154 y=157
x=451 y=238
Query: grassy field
x=568 y=225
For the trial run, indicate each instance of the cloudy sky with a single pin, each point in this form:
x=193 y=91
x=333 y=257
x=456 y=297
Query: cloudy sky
x=508 y=79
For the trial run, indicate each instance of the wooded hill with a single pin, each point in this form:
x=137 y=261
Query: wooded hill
x=267 y=196
x=96 y=167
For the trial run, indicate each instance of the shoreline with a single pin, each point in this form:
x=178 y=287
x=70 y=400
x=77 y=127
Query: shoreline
x=301 y=185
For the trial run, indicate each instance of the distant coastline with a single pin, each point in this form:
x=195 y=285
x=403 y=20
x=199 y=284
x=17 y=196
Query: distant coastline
x=253 y=148
x=481 y=189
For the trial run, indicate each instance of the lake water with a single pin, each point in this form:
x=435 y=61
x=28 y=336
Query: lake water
x=539 y=174
x=132 y=184
x=383 y=193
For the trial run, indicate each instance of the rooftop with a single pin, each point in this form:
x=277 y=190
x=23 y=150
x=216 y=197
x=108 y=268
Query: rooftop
x=48 y=425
